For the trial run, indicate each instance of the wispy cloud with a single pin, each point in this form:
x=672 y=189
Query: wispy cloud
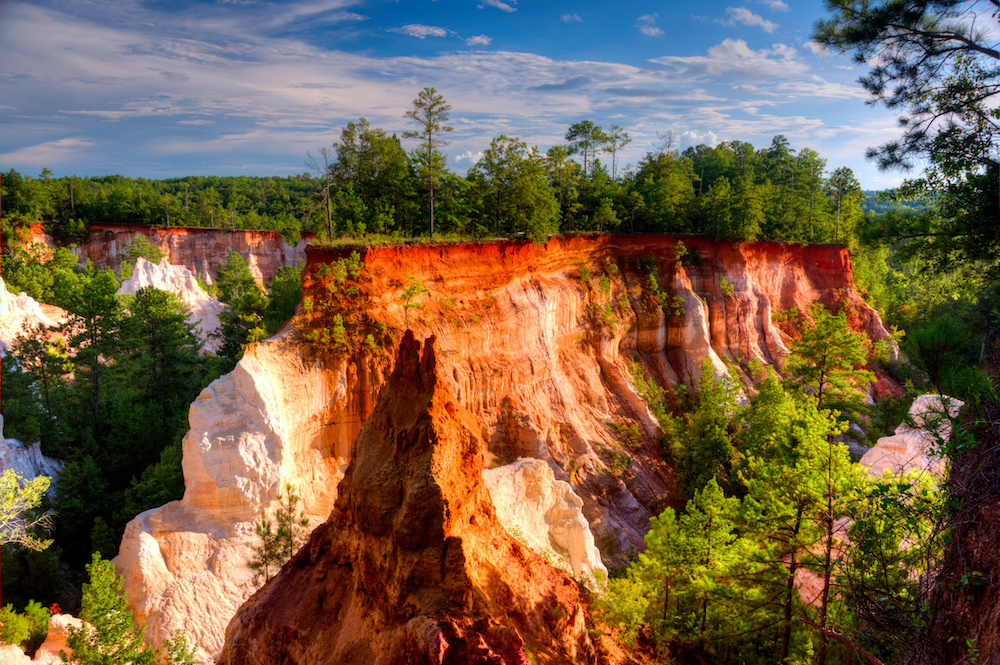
x=647 y=25
x=48 y=153
x=421 y=31
x=499 y=4
x=734 y=58
x=774 y=5
x=479 y=40
x=571 y=18
x=747 y=17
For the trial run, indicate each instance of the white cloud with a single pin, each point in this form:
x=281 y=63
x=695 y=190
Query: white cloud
x=470 y=156
x=774 y=5
x=420 y=31
x=499 y=4
x=732 y=57
x=571 y=18
x=479 y=40
x=708 y=138
x=747 y=17
x=49 y=153
x=647 y=25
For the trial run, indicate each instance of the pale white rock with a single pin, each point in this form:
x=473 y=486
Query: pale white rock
x=272 y=420
x=182 y=281
x=546 y=515
x=20 y=312
x=695 y=340
x=55 y=641
x=11 y=654
x=26 y=460
x=911 y=448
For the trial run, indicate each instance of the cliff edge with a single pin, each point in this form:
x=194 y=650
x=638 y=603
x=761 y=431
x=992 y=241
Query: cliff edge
x=413 y=564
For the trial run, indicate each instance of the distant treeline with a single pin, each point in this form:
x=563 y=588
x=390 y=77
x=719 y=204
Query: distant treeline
x=369 y=185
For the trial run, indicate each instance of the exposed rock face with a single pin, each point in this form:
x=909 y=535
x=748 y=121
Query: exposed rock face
x=55 y=640
x=413 y=565
x=275 y=419
x=911 y=448
x=181 y=281
x=201 y=250
x=21 y=312
x=26 y=460
x=518 y=346
x=546 y=515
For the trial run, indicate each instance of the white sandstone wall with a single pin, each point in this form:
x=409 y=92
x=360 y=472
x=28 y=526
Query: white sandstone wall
x=911 y=448
x=263 y=425
x=546 y=515
x=183 y=282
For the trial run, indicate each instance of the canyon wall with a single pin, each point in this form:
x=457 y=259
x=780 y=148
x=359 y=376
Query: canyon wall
x=201 y=250
x=413 y=565
x=542 y=344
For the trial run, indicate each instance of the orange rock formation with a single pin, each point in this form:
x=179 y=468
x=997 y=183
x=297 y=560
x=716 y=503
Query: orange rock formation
x=540 y=343
x=413 y=565
x=202 y=250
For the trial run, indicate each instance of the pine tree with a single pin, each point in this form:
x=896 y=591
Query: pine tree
x=108 y=635
x=431 y=113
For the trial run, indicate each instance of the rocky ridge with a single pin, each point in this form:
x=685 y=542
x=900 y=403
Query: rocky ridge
x=181 y=281
x=413 y=565
x=542 y=344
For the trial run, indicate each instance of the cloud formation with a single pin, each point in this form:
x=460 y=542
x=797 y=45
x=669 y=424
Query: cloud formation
x=420 y=31
x=774 y=5
x=499 y=4
x=479 y=40
x=571 y=18
x=747 y=17
x=647 y=25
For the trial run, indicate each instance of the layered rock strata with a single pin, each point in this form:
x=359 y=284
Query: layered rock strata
x=542 y=344
x=276 y=419
x=21 y=312
x=413 y=565
x=201 y=250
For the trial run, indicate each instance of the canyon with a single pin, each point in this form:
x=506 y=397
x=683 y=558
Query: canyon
x=546 y=346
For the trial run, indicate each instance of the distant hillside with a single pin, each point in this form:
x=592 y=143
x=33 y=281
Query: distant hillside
x=873 y=203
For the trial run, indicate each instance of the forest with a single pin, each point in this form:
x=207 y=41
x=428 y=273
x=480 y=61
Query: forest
x=111 y=398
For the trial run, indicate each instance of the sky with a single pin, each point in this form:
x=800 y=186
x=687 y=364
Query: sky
x=168 y=88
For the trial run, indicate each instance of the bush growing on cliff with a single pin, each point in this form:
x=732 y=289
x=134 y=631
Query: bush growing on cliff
x=280 y=538
x=338 y=322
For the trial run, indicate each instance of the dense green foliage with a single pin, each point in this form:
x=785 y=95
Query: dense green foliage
x=367 y=185
x=109 y=635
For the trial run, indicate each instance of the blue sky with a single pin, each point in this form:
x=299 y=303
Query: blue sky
x=245 y=87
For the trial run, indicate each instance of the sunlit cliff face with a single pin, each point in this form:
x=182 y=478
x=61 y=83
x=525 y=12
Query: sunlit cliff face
x=543 y=345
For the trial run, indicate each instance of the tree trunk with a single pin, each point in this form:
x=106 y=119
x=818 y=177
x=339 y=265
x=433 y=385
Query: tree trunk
x=786 y=637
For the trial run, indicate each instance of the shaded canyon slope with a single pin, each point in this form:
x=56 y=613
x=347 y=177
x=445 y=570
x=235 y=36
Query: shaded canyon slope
x=542 y=344
x=413 y=565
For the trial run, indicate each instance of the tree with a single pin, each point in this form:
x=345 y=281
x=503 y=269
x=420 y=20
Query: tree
x=108 y=635
x=585 y=138
x=915 y=46
x=430 y=112
x=414 y=289
x=510 y=188
x=321 y=166
x=617 y=139
x=373 y=167
x=935 y=64
x=843 y=187
x=20 y=519
x=280 y=538
x=828 y=361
